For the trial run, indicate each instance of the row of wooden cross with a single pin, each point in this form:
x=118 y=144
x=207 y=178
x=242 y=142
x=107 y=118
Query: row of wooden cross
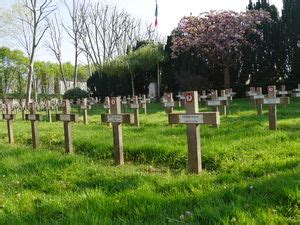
x=192 y=118
x=271 y=100
x=114 y=116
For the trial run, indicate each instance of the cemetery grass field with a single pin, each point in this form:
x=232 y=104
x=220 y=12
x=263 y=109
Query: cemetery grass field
x=251 y=175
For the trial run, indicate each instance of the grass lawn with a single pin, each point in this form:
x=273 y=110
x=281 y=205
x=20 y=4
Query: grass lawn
x=251 y=175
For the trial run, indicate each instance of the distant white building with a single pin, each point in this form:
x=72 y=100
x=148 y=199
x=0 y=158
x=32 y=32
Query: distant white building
x=50 y=89
x=69 y=84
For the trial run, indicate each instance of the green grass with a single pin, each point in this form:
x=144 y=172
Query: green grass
x=251 y=175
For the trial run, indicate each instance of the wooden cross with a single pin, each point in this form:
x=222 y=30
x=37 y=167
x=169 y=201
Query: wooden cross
x=135 y=106
x=215 y=101
x=9 y=117
x=48 y=110
x=124 y=104
x=23 y=109
x=272 y=101
x=34 y=118
x=84 y=106
x=296 y=92
x=67 y=118
x=258 y=98
x=192 y=118
x=144 y=102
x=78 y=102
x=283 y=92
x=203 y=96
x=116 y=118
x=224 y=98
x=168 y=102
x=128 y=102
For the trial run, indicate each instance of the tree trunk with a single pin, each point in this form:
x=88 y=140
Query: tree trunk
x=132 y=84
x=62 y=74
x=29 y=83
x=75 y=70
x=226 y=77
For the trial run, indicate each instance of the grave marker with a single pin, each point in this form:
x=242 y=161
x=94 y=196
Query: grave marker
x=48 y=110
x=67 y=118
x=144 y=102
x=258 y=100
x=34 y=118
x=272 y=101
x=296 y=92
x=215 y=102
x=168 y=102
x=84 y=106
x=117 y=119
x=192 y=118
x=124 y=104
x=9 y=117
x=135 y=106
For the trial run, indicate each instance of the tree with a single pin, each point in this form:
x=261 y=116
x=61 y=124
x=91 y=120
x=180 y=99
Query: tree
x=265 y=63
x=55 y=44
x=291 y=29
x=34 y=27
x=218 y=36
x=12 y=70
x=76 y=14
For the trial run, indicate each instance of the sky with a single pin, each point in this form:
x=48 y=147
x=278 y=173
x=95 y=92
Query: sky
x=169 y=14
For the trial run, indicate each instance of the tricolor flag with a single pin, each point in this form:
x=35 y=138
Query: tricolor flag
x=156 y=14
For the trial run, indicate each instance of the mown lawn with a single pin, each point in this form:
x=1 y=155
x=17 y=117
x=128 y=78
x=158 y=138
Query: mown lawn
x=251 y=175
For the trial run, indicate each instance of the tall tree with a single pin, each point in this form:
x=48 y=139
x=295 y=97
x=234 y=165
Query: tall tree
x=76 y=14
x=34 y=27
x=291 y=24
x=217 y=36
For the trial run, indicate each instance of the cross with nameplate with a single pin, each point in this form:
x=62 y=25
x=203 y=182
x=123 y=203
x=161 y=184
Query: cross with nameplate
x=296 y=92
x=215 y=101
x=168 y=102
x=135 y=106
x=192 y=118
x=252 y=93
x=9 y=117
x=272 y=101
x=67 y=118
x=117 y=119
x=124 y=104
x=34 y=118
x=144 y=102
x=258 y=98
x=23 y=109
x=85 y=106
x=48 y=110
x=203 y=96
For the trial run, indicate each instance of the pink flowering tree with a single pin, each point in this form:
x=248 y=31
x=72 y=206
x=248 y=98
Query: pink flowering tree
x=218 y=36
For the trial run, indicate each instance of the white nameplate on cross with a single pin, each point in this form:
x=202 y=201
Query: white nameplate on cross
x=223 y=98
x=297 y=90
x=169 y=104
x=213 y=103
x=31 y=117
x=271 y=101
x=106 y=106
x=282 y=92
x=7 y=117
x=134 y=106
x=203 y=96
x=114 y=118
x=251 y=93
x=65 y=117
x=297 y=94
x=258 y=96
x=191 y=119
x=124 y=102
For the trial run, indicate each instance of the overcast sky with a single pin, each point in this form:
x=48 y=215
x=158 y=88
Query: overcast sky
x=169 y=14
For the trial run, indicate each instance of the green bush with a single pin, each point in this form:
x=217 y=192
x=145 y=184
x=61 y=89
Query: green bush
x=75 y=93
